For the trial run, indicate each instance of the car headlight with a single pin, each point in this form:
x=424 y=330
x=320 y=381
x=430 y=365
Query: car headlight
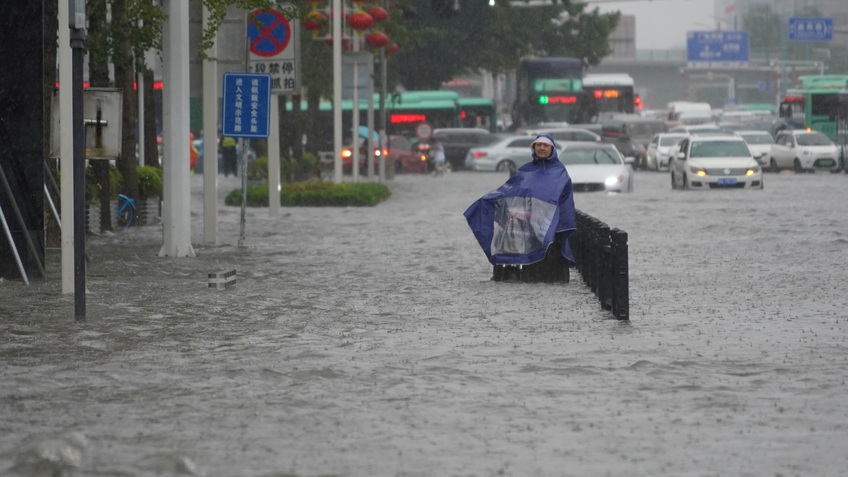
x=752 y=170
x=698 y=171
x=807 y=153
x=611 y=181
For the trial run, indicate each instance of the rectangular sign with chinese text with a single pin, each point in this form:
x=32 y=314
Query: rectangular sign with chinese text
x=810 y=29
x=246 y=105
x=717 y=49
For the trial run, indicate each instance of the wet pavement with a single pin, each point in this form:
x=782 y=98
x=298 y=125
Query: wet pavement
x=371 y=341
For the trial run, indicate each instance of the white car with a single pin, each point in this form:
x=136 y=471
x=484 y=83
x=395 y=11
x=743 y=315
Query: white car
x=505 y=155
x=661 y=148
x=595 y=166
x=802 y=151
x=759 y=142
x=715 y=162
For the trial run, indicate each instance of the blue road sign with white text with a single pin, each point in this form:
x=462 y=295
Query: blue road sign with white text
x=810 y=29
x=717 y=49
x=246 y=105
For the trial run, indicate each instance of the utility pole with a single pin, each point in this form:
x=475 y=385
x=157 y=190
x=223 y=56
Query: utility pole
x=76 y=23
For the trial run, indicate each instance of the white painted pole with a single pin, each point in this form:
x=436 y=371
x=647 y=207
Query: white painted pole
x=176 y=211
x=274 y=158
x=337 y=90
x=372 y=144
x=210 y=140
x=354 y=164
x=66 y=146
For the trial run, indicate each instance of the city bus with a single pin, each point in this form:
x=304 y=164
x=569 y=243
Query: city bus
x=814 y=103
x=548 y=90
x=607 y=93
x=405 y=110
x=478 y=113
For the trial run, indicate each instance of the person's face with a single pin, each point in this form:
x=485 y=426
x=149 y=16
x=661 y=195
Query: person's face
x=542 y=150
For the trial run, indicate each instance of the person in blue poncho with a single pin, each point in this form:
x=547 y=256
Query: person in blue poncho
x=523 y=226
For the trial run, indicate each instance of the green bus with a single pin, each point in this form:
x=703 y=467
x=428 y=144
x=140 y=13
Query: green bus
x=405 y=110
x=814 y=103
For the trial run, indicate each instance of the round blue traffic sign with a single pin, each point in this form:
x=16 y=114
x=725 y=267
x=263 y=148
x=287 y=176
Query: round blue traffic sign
x=268 y=32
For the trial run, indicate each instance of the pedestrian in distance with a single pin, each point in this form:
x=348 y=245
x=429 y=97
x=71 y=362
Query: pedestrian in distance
x=228 y=150
x=437 y=152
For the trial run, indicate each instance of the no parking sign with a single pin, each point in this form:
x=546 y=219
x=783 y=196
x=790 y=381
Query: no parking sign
x=274 y=49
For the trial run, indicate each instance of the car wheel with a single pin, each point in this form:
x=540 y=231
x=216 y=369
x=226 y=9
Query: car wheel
x=506 y=166
x=797 y=166
x=773 y=166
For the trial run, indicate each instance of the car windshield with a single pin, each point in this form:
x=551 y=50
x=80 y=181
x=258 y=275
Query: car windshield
x=572 y=157
x=758 y=138
x=670 y=140
x=719 y=148
x=813 y=139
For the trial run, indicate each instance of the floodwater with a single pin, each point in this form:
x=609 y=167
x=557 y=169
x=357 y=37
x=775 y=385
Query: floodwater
x=371 y=342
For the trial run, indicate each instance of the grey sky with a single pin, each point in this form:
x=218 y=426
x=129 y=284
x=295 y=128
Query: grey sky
x=662 y=24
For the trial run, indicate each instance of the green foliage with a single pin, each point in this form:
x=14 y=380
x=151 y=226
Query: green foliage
x=495 y=38
x=257 y=169
x=315 y=194
x=149 y=182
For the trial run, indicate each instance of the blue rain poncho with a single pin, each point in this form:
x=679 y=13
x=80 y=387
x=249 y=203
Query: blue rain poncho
x=516 y=223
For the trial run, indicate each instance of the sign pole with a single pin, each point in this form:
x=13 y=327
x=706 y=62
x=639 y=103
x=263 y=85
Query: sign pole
x=246 y=108
x=77 y=63
x=243 y=174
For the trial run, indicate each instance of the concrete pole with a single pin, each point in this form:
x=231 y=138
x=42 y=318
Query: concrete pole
x=274 y=158
x=210 y=140
x=176 y=210
x=337 y=91
x=372 y=144
x=66 y=146
x=354 y=151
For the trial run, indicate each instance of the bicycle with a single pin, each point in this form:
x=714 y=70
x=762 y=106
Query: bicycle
x=126 y=211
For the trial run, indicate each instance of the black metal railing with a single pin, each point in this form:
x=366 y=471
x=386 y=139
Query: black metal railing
x=601 y=256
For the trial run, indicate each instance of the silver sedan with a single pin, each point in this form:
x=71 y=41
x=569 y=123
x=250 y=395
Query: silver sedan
x=505 y=155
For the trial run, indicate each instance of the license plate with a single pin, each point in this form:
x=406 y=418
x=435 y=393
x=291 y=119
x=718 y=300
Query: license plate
x=825 y=163
x=728 y=181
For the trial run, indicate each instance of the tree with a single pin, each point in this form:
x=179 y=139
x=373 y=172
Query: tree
x=495 y=38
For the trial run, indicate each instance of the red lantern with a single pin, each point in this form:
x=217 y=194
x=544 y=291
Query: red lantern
x=314 y=21
x=376 y=39
x=392 y=49
x=359 y=21
x=378 y=13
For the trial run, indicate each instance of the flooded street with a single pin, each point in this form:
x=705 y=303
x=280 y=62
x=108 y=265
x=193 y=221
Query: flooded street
x=371 y=342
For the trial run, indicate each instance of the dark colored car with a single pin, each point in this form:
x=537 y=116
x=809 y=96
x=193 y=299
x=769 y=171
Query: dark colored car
x=457 y=142
x=631 y=135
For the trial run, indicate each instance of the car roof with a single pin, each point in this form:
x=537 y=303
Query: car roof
x=587 y=145
x=752 y=131
x=460 y=131
x=718 y=135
